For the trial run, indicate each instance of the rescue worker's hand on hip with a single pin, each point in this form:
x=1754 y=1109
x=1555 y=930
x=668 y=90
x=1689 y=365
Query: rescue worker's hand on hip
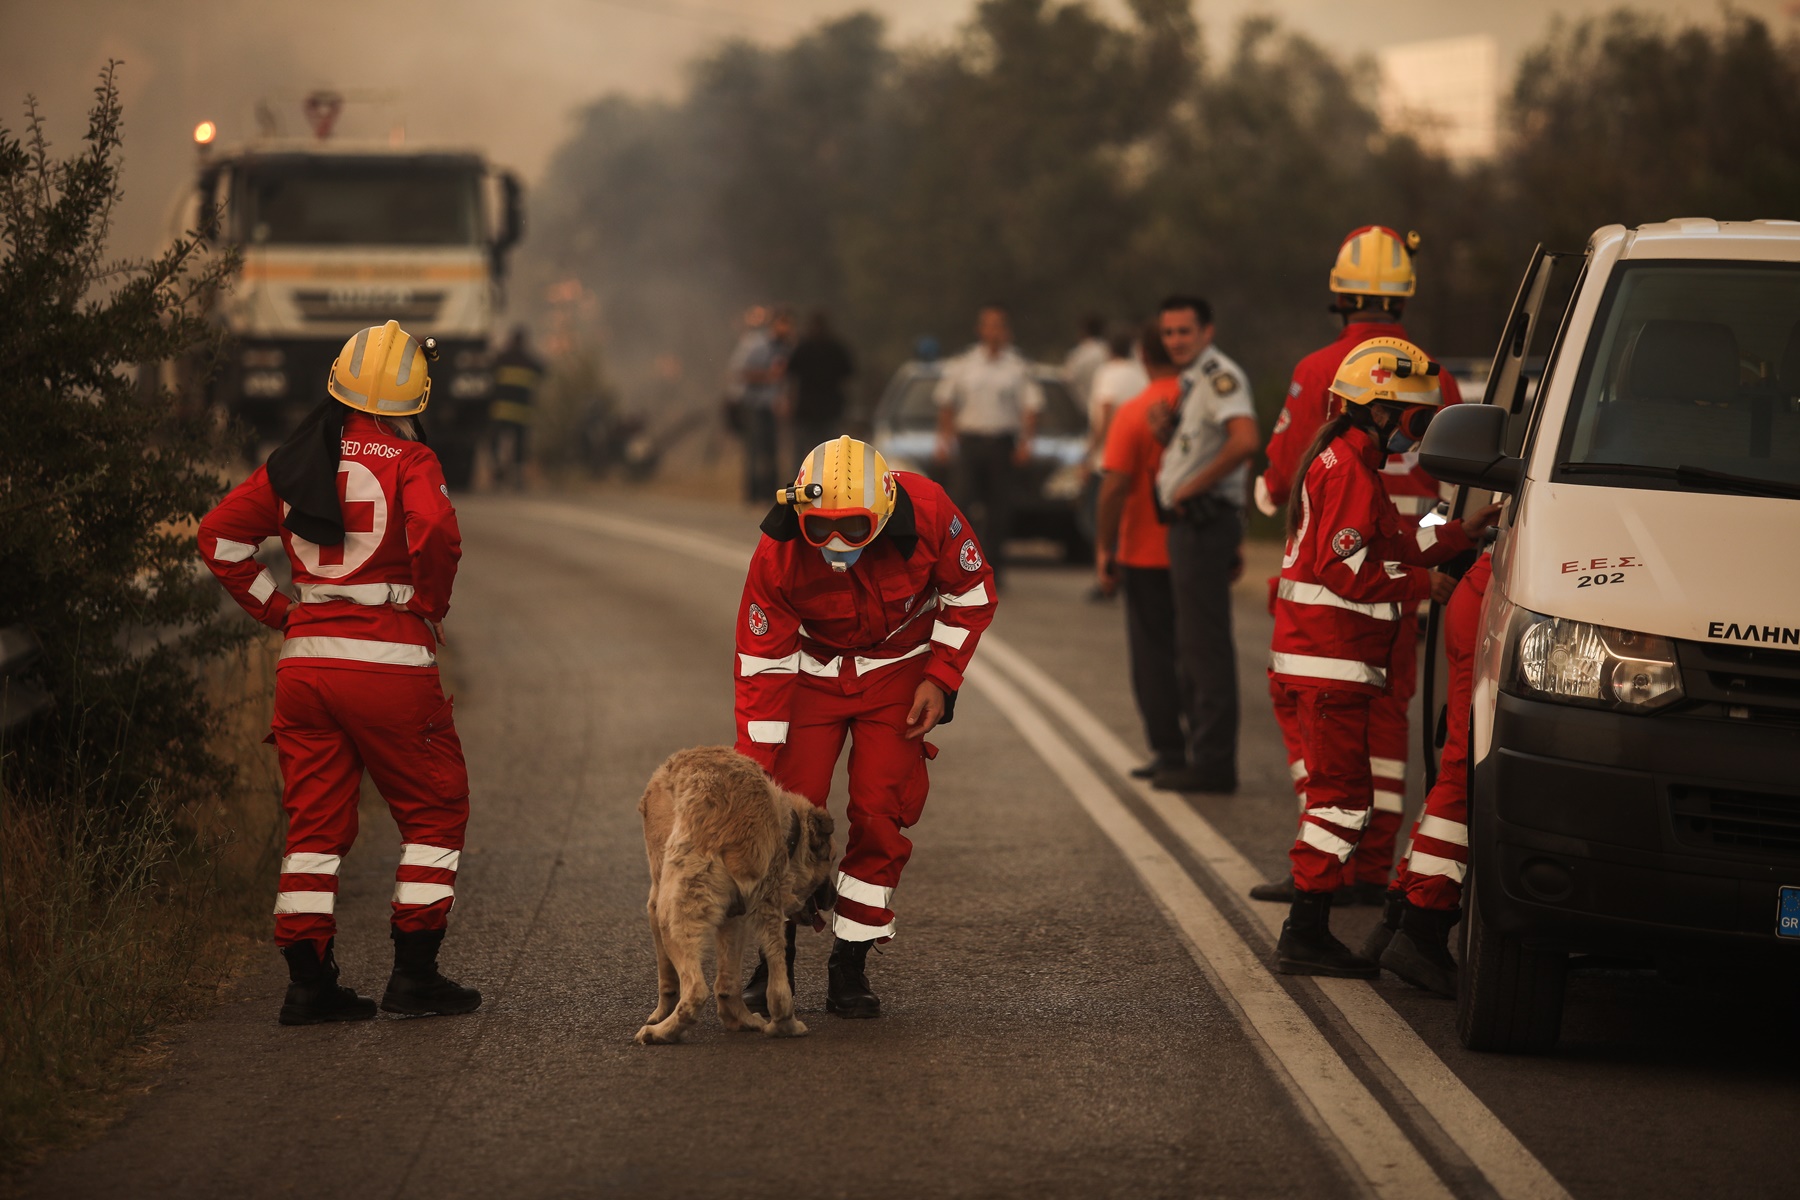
x=1442 y=586
x=927 y=709
x=1480 y=521
x=1022 y=452
x=942 y=452
x=1106 y=571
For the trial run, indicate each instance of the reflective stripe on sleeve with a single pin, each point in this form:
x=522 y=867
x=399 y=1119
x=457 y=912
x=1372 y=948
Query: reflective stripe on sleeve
x=305 y=902
x=1421 y=863
x=1314 y=593
x=414 y=854
x=949 y=635
x=1297 y=769
x=1395 y=570
x=856 y=931
x=303 y=863
x=1414 y=506
x=769 y=733
x=749 y=664
x=1389 y=802
x=975 y=596
x=406 y=892
x=870 y=894
x=1355 y=561
x=1454 y=832
x=1427 y=536
x=262 y=587
x=398 y=654
x=226 y=550
x=1321 y=838
x=1313 y=666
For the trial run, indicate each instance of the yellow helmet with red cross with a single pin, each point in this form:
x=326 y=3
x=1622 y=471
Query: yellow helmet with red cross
x=382 y=371
x=1375 y=263
x=1387 y=369
x=843 y=495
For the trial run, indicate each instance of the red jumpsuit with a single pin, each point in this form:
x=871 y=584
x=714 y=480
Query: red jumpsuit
x=1309 y=405
x=357 y=683
x=1350 y=579
x=824 y=654
x=1432 y=872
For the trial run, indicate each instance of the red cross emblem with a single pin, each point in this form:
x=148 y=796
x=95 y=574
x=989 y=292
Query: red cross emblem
x=1381 y=374
x=359 y=517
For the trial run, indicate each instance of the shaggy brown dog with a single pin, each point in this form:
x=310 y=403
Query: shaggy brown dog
x=727 y=848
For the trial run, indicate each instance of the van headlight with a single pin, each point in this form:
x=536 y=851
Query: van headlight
x=1573 y=662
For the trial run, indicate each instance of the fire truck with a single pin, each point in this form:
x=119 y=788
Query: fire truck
x=336 y=236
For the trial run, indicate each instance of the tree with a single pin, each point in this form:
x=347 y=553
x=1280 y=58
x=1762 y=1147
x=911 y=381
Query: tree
x=100 y=479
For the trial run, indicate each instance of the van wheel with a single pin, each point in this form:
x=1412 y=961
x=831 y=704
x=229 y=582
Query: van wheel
x=1509 y=996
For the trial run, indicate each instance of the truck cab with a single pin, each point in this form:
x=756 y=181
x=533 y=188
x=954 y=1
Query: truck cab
x=1635 y=726
x=335 y=237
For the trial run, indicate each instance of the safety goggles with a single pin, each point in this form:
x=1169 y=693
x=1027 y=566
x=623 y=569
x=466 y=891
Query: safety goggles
x=855 y=526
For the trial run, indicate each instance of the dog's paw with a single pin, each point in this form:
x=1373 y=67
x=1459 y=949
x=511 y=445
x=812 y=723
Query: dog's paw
x=650 y=1035
x=792 y=1027
x=660 y=1015
x=747 y=1022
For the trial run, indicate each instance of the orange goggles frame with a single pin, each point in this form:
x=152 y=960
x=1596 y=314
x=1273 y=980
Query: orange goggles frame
x=820 y=526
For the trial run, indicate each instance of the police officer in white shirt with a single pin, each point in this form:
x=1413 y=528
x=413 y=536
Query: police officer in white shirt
x=988 y=405
x=1203 y=487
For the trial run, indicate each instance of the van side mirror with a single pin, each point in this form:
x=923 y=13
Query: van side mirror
x=1466 y=444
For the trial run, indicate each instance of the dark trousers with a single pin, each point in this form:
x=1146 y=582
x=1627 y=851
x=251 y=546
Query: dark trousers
x=760 y=466
x=1155 y=674
x=1201 y=558
x=984 y=489
x=810 y=431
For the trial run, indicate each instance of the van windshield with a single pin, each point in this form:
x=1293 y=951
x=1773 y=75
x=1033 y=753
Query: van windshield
x=1694 y=380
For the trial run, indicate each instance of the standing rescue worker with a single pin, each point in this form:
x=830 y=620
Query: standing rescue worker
x=1413 y=941
x=863 y=605
x=1370 y=283
x=518 y=373
x=1351 y=576
x=360 y=505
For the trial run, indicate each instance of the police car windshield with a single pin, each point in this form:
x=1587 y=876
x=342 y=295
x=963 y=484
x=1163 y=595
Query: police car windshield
x=346 y=202
x=914 y=408
x=1694 y=381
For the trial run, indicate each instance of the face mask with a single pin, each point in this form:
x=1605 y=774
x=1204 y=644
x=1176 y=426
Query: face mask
x=1398 y=442
x=841 y=560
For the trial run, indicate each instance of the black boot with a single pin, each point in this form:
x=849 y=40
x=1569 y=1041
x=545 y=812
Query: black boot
x=1420 y=951
x=756 y=992
x=848 y=994
x=416 y=989
x=1281 y=891
x=1307 y=947
x=1383 y=933
x=313 y=994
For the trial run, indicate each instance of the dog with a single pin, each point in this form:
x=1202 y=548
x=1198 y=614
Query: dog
x=729 y=850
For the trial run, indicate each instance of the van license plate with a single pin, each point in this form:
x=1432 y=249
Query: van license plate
x=1787 y=913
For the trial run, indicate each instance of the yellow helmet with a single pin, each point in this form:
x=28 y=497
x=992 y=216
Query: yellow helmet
x=1374 y=261
x=382 y=371
x=844 y=494
x=1387 y=369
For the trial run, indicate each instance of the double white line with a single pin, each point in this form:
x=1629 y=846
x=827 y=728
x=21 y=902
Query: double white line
x=1348 y=1116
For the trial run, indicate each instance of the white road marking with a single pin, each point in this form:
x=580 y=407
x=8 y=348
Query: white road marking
x=1512 y=1170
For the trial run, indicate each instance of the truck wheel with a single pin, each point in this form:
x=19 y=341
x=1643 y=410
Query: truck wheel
x=1509 y=996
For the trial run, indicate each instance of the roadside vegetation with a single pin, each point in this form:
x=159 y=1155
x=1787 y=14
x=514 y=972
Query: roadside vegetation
x=128 y=830
x=1063 y=162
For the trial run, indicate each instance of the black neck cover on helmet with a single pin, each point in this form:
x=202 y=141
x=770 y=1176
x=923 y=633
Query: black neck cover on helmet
x=303 y=471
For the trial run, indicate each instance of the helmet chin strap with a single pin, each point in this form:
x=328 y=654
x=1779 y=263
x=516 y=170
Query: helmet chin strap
x=1363 y=417
x=840 y=560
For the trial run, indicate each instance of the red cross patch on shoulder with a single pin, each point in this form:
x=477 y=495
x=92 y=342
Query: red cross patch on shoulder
x=759 y=620
x=1346 y=542
x=969 y=556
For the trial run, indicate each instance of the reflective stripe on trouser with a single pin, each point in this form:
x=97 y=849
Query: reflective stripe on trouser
x=888 y=783
x=1390 y=747
x=331 y=724
x=1287 y=719
x=1437 y=861
x=1334 y=730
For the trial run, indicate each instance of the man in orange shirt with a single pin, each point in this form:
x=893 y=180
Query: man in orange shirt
x=1132 y=550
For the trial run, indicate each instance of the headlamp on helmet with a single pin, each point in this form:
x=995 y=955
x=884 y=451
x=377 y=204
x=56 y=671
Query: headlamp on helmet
x=843 y=496
x=1374 y=265
x=1394 y=374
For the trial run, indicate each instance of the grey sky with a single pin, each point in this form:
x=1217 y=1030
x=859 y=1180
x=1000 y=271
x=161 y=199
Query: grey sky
x=505 y=76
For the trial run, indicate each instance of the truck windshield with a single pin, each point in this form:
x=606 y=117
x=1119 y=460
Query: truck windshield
x=1696 y=372
x=347 y=202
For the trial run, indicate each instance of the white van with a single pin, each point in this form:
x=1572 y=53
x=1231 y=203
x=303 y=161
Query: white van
x=1635 y=787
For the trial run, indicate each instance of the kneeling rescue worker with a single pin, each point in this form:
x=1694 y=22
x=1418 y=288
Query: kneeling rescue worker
x=863 y=605
x=1350 y=579
x=360 y=505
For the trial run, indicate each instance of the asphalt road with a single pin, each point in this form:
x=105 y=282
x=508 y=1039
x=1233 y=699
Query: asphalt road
x=1074 y=1005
